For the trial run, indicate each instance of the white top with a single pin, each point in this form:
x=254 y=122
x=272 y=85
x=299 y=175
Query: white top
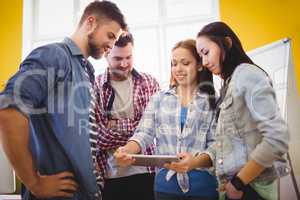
x=122 y=108
x=123 y=102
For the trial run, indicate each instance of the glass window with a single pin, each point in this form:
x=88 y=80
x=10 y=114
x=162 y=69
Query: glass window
x=177 y=32
x=183 y=8
x=156 y=26
x=44 y=42
x=146 y=51
x=54 y=18
x=137 y=11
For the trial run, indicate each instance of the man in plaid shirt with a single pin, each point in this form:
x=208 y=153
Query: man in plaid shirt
x=122 y=94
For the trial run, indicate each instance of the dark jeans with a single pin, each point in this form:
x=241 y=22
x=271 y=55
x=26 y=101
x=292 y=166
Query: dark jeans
x=135 y=187
x=165 y=196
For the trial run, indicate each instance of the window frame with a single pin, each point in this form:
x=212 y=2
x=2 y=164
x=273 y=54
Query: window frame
x=31 y=38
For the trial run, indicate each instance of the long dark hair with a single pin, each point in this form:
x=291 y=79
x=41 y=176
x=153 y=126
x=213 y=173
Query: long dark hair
x=204 y=77
x=234 y=55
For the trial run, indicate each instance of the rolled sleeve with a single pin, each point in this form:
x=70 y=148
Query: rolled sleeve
x=27 y=90
x=211 y=152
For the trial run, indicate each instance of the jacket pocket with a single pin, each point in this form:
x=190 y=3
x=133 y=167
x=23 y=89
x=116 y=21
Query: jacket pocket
x=227 y=117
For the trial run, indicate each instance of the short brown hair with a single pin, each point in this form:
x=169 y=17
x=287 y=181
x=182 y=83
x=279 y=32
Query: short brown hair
x=124 y=39
x=106 y=10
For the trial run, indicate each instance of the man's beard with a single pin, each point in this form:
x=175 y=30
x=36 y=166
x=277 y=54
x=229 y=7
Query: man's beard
x=94 y=51
x=119 y=74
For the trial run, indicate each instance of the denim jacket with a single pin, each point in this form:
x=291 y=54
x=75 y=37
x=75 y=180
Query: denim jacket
x=51 y=89
x=249 y=126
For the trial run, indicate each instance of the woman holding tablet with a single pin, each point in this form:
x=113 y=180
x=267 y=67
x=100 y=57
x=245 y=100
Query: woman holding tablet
x=179 y=119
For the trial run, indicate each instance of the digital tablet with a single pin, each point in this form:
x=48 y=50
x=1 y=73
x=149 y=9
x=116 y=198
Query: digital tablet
x=153 y=160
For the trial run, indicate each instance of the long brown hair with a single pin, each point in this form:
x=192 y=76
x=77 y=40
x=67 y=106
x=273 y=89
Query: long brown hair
x=204 y=77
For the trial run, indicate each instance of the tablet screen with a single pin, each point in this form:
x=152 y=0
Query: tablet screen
x=153 y=160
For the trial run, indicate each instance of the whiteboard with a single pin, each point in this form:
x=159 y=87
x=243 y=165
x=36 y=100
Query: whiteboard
x=274 y=59
x=7 y=176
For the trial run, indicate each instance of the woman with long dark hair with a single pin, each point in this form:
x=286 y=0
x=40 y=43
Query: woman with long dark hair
x=251 y=135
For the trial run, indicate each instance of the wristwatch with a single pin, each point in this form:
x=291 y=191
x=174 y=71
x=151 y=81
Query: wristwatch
x=238 y=183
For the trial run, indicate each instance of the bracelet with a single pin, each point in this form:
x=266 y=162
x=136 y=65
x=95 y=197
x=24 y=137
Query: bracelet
x=238 y=183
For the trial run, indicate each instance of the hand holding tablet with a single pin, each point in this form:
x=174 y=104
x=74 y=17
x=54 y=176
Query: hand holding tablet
x=153 y=160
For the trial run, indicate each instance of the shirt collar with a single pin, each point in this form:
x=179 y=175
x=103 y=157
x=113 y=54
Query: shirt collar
x=172 y=91
x=105 y=80
x=75 y=51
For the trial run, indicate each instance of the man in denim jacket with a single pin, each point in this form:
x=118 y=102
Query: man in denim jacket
x=44 y=116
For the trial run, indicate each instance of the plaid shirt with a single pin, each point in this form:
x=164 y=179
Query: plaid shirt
x=161 y=120
x=144 y=86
